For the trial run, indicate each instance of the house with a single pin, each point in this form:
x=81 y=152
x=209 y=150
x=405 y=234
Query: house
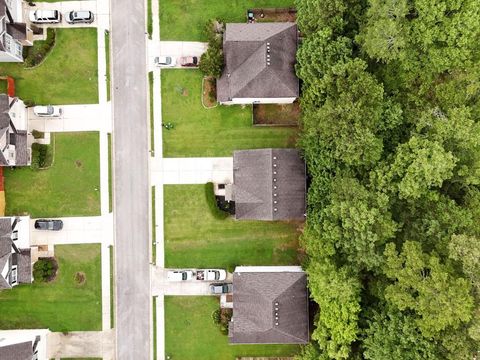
x=15 y=252
x=23 y=344
x=270 y=305
x=14 y=33
x=15 y=141
x=269 y=184
x=259 y=64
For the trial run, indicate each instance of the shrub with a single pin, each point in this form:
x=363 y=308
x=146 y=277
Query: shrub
x=216 y=316
x=38 y=134
x=211 y=61
x=212 y=203
x=41 y=156
x=29 y=103
x=231 y=268
x=45 y=269
x=222 y=317
x=34 y=55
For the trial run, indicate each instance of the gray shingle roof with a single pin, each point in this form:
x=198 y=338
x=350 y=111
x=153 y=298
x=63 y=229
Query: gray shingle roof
x=17 y=30
x=259 y=298
x=24 y=263
x=269 y=184
x=21 y=148
x=20 y=351
x=248 y=72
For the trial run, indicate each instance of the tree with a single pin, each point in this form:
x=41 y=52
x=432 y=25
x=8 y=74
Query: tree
x=358 y=223
x=466 y=250
x=393 y=335
x=211 y=61
x=424 y=285
x=337 y=291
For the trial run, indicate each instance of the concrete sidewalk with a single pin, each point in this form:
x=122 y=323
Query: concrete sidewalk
x=192 y=170
x=87 y=117
x=81 y=344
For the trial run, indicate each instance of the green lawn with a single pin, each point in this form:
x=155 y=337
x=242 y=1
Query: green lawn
x=71 y=187
x=67 y=76
x=190 y=333
x=61 y=305
x=185 y=19
x=194 y=238
x=210 y=132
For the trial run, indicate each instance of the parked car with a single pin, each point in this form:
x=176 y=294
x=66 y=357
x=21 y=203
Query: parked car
x=221 y=288
x=179 y=275
x=45 y=16
x=165 y=61
x=188 y=61
x=47 y=111
x=44 y=224
x=211 y=275
x=79 y=17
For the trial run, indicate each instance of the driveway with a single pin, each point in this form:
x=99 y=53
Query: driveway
x=174 y=48
x=88 y=117
x=161 y=286
x=192 y=170
x=81 y=344
x=66 y=6
x=76 y=230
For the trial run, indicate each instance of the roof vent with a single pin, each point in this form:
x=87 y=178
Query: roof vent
x=275 y=194
x=268 y=44
x=276 y=303
x=274 y=180
x=268 y=63
x=274 y=187
x=276 y=323
x=275 y=201
x=274 y=165
x=275 y=209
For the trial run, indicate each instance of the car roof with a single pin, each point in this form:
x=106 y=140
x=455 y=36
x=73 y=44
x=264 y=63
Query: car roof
x=46 y=13
x=82 y=13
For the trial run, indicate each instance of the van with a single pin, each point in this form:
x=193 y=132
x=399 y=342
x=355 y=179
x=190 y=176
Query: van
x=45 y=16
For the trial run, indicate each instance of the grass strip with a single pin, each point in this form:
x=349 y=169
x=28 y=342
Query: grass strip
x=154 y=312
x=152 y=119
x=112 y=292
x=107 y=56
x=154 y=229
x=149 y=19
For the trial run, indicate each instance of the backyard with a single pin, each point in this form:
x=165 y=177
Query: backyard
x=68 y=74
x=194 y=238
x=63 y=304
x=71 y=187
x=185 y=19
x=190 y=333
x=210 y=132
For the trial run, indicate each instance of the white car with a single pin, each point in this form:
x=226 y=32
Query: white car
x=45 y=16
x=179 y=275
x=165 y=61
x=211 y=275
x=47 y=111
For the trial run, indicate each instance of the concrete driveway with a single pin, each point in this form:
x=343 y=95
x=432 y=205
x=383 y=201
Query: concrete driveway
x=76 y=230
x=161 y=286
x=174 y=48
x=88 y=117
x=81 y=344
x=65 y=7
x=192 y=170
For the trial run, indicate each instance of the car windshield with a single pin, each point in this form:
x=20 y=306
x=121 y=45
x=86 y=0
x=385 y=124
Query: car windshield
x=184 y=276
x=168 y=60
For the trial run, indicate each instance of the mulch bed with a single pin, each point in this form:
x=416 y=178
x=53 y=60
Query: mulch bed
x=209 y=92
x=275 y=15
x=276 y=114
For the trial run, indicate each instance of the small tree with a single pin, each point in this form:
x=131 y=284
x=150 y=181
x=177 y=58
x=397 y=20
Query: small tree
x=44 y=269
x=211 y=62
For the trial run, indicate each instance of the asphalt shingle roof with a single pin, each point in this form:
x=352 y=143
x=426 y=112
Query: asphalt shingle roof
x=20 y=351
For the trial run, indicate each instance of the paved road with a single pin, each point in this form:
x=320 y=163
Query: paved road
x=131 y=184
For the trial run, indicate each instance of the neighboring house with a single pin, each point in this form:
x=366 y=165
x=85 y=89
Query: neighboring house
x=270 y=305
x=269 y=184
x=14 y=33
x=15 y=141
x=259 y=64
x=15 y=252
x=23 y=344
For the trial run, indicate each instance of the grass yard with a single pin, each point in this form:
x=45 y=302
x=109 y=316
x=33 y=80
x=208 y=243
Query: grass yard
x=71 y=187
x=190 y=333
x=68 y=75
x=185 y=19
x=194 y=238
x=210 y=132
x=63 y=304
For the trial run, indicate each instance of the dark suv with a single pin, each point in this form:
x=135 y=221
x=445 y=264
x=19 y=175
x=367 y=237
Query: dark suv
x=44 y=224
x=221 y=288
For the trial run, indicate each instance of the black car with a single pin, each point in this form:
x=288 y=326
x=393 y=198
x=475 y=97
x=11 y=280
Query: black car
x=44 y=224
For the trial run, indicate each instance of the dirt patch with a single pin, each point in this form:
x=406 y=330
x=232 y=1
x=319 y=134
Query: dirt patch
x=276 y=114
x=80 y=278
x=275 y=15
x=209 y=92
x=184 y=92
x=78 y=163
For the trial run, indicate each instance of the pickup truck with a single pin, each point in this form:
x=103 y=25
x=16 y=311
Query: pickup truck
x=211 y=275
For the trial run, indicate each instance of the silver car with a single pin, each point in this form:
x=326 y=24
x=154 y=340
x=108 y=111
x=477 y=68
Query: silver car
x=79 y=17
x=218 y=289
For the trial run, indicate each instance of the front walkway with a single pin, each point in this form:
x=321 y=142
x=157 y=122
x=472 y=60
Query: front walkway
x=192 y=170
x=81 y=344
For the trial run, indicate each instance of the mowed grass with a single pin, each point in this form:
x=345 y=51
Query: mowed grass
x=210 y=132
x=190 y=333
x=194 y=238
x=71 y=187
x=185 y=19
x=68 y=75
x=63 y=304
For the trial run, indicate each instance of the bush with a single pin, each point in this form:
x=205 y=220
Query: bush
x=41 y=156
x=216 y=316
x=34 y=55
x=38 y=134
x=231 y=268
x=45 y=269
x=212 y=203
x=222 y=317
x=211 y=61
x=29 y=103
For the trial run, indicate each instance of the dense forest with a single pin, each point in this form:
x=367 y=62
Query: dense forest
x=391 y=135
